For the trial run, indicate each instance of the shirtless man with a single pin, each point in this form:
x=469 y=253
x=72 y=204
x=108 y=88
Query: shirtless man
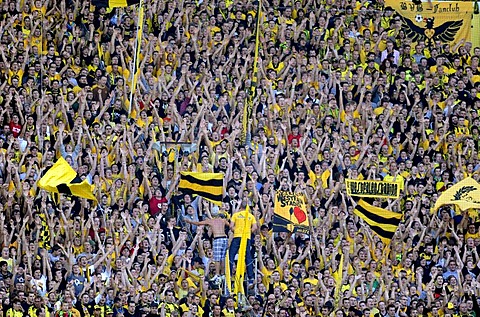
x=220 y=240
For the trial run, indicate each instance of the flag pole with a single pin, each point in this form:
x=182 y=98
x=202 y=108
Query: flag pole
x=257 y=42
x=256 y=276
x=228 y=276
x=247 y=110
x=136 y=53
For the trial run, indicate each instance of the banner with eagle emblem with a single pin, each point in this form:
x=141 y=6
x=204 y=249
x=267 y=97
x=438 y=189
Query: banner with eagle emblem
x=465 y=194
x=445 y=21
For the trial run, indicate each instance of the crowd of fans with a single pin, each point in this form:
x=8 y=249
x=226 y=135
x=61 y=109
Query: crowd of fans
x=340 y=93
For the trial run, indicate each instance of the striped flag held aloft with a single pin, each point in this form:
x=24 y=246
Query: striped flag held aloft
x=207 y=185
x=382 y=221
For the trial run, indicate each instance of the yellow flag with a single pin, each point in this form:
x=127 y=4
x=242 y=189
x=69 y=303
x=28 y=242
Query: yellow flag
x=113 y=3
x=247 y=109
x=465 y=194
x=121 y=3
x=242 y=252
x=372 y=188
x=228 y=277
x=290 y=213
x=338 y=276
x=60 y=173
x=257 y=43
x=61 y=178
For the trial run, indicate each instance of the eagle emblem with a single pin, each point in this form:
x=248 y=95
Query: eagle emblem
x=430 y=33
x=461 y=192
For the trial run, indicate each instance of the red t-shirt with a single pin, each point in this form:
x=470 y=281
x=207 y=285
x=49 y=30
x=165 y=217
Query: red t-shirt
x=15 y=128
x=156 y=204
x=291 y=137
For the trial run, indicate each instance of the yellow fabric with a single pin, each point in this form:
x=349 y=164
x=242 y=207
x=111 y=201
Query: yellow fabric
x=372 y=188
x=464 y=194
x=338 y=276
x=454 y=17
x=383 y=222
x=246 y=232
x=121 y=3
x=60 y=178
x=207 y=185
x=290 y=213
x=228 y=277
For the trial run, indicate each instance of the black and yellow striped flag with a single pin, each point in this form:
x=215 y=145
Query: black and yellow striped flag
x=114 y=3
x=207 y=185
x=383 y=222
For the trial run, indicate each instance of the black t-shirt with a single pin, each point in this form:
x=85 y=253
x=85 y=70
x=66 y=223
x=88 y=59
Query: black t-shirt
x=116 y=113
x=127 y=313
x=6 y=275
x=235 y=183
x=219 y=169
x=296 y=169
x=85 y=310
x=475 y=272
x=231 y=200
x=26 y=306
x=207 y=308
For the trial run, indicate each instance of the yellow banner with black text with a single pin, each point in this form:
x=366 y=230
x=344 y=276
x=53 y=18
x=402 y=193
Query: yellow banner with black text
x=372 y=188
x=290 y=213
x=444 y=21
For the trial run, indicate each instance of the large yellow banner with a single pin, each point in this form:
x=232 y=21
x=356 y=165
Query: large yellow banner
x=445 y=21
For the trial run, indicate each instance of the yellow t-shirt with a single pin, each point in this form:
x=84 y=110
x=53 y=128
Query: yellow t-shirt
x=473 y=236
x=266 y=275
x=13 y=313
x=312 y=281
x=228 y=313
x=243 y=221
x=399 y=179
